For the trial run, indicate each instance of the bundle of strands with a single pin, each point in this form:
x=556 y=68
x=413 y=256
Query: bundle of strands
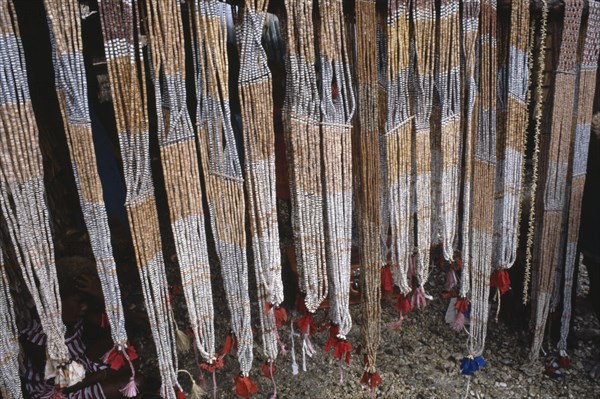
x=10 y=384
x=256 y=99
x=423 y=17
x=585 y=99
x=181 y=170
x=511 y=141
x=221 y=167
x=484 y=174
x=538 y=99
x=397 y=141
x=366 y=170
x=301 y=117
x=23 y=202
x=71 y=87
x=470 y=31
x=449 y=89
x=337 y=110
x=554 y=195
x=125 y=64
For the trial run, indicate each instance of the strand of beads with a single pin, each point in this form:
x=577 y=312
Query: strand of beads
x=470 y=31
x=124 y=57
x=366 y=140
x=337 y=110
x=221 y=167
x=23 y=200
x=537 y=116
x=449 y=89
x=303 y=145
x=484 y=172
x=397 y=141
x=556 y=166
x=71 y=88
x=256 y=98
x=586 y=88
x=423 y=17
x=181 y=169
x=10 y=384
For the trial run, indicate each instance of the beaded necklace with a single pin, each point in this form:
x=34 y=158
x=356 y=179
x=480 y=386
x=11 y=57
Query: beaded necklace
x=303 y=144
x=423 y=17
x=484 y=172
x=181 y=169
x=537 y=116
x=366 y=156
x=10 y=384
x=71 y=87
x=124 y=56
x=397 y=141
x=337 y=110
x=553 y=198
x=587 y=87
x=511 y=143
x=449 y=89
x=256 y=98
x=221 y=166
x=470 y=29
x=23 y=203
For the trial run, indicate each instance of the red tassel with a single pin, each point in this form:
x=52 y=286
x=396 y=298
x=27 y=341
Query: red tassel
x=180 y=395
x=462 y=305
x=104 y=322
x=212 y=367
x=501 y=280
x=564 y=362
x=450 y=294
x=229 y=344
x=244 y=387
x=266 y=370
x=281 y=317
x=306 y=324
x=332 y=342
x=342 y=348
x=403 y=305
x=115 y=359
x=386 y=279
x=372 y=380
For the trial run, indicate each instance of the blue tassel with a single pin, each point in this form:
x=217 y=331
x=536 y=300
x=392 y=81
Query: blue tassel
x=469 y=366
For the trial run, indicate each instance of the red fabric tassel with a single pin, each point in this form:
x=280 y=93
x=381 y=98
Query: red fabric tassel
x=306 y=324
x=266 y=370
x=450 y=294
x=281 y=317
x=212 y=367
x=371 y=380
x=462 y=305
x=403 y=305
x=180 y=395
x=342 y=348
x=333 y=332
x=501 y=280
x=564 y=362
x=115 y=359
x=244 y=387
x=104 y=322
x=386 y=279
x=230 y=343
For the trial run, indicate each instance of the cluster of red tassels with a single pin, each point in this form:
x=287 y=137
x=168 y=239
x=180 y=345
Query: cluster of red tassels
x=500 y=280
x=342 y=350
x=244 y=387
x=115 y=359
x=371 y=380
